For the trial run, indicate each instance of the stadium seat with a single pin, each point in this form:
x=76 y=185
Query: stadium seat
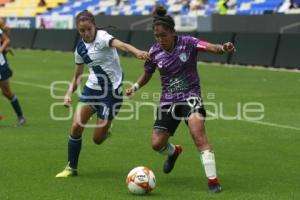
x=130 y=7
x=248 y=7
x=26 y=8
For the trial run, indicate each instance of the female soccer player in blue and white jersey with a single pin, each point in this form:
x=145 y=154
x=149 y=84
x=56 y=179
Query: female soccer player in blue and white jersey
x=6 y=73
x=175 y=57
x=102 y=93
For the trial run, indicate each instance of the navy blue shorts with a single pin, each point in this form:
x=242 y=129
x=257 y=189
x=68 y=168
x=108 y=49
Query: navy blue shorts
x=106 y=105
x=5 y=72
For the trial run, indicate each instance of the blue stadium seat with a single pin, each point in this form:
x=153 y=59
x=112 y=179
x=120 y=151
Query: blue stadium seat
x=138 y=7
x=137 y=13
x=254 y=6
x=149 y=7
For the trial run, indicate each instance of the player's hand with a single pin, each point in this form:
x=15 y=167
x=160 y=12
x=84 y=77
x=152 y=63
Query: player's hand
x=67 y=101
x=144 y=55
x=129 y=91
x=228 y=47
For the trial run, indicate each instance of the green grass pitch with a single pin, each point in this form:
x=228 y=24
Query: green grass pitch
x=255 y=161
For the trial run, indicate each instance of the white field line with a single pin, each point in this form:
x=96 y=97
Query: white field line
x=273 y=124
x=252 y=67
x=255 y=122
x=37 y=85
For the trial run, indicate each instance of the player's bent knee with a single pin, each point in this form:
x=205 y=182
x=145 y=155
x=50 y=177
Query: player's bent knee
x=157 y=146
x=158 y=142
x=77 y=128
x=7 y=94
x=99 y=140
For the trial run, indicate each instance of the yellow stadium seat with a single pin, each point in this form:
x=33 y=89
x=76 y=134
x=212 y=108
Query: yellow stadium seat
x=52 y=4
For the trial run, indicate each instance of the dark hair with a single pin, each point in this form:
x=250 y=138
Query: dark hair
x=160 y=18
x=85 y=15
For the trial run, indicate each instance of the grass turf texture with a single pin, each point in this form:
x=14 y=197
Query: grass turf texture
x=254 y=161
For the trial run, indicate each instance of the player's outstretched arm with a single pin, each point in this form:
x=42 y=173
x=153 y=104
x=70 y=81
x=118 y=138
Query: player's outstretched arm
x=74 y=84
x=142 y=80
x=144 y=55
x=227 y=47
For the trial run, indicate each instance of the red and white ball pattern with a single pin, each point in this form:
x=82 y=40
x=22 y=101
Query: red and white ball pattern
x=140 y=180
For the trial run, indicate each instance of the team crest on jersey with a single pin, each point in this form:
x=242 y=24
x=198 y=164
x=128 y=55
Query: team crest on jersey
x=183 y=57
x=160 y=64
x=97 y=46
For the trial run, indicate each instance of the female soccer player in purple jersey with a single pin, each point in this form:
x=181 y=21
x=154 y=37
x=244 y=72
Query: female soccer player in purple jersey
x=102 y=93
x=175 y=57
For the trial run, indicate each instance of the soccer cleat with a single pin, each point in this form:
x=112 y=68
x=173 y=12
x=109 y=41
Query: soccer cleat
x=214 y=186
x=21 y=121
x=67 y=172
x=170 y=162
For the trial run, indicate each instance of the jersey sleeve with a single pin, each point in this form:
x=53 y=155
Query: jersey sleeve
x=1 y=32
x=105 y=39
x=198 y=44
x=201 y=45
x=78 y=58
x=150 y=66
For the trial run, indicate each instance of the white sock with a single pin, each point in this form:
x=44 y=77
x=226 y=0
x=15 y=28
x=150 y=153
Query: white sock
x=208 y=160
x=168 y=150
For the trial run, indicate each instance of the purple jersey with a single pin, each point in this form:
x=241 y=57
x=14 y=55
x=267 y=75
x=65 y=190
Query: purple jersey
x=178 y=69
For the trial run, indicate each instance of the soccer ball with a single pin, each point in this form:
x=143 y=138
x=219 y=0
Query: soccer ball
x=140 y=180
